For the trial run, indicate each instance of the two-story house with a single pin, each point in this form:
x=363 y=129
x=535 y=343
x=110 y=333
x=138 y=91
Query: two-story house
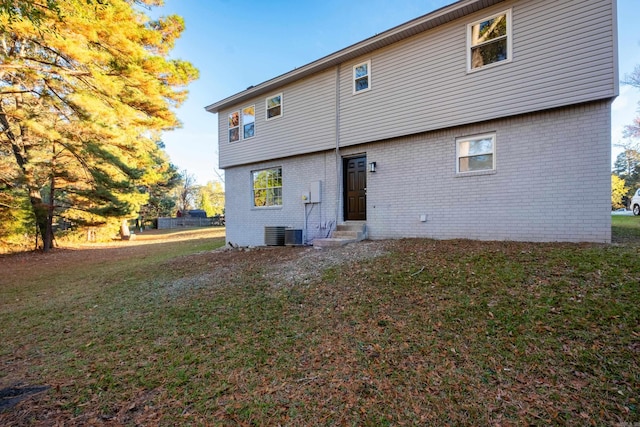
x=484 y=119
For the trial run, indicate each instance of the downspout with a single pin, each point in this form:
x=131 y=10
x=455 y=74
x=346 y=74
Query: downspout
x=338 y=160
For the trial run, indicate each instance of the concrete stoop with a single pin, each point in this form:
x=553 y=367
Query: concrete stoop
x=344 y=234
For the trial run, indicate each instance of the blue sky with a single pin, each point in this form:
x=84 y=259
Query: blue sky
x=236 y=44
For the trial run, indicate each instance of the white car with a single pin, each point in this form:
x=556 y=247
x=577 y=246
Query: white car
x=635 y=203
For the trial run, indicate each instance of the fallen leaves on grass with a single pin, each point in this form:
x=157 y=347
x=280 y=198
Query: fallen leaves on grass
x=404 y=332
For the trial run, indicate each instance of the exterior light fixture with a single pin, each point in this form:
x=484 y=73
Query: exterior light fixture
x=372 y=167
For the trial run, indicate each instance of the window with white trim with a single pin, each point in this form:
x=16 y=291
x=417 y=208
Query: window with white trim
x=267 y=187
x=234 y=126
x=362 y=77
x=476 y=153
x=274 y=106
x=248 y=122
x=489 y=41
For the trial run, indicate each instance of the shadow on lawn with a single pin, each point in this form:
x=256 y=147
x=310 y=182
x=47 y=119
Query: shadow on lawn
x=10 y=396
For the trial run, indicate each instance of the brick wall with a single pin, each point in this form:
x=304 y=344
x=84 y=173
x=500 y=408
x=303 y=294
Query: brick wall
x=552 y=183
x=245 y=223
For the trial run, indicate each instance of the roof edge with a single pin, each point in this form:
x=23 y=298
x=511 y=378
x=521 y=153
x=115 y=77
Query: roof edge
x=403 y=31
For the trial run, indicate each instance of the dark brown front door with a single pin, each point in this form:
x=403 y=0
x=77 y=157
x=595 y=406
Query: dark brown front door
x=355 y=189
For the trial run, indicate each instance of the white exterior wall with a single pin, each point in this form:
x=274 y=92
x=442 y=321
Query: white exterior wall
x=422 y=84
x=552 y=183
x=245 y=223
x=563 y=54
x=307 y=123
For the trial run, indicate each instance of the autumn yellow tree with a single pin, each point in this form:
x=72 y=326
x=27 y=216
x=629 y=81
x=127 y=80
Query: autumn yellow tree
x=85 y=89
x=211 y=198
x=618 y=191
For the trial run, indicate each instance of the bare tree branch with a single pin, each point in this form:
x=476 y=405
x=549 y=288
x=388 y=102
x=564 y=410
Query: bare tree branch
x=633 y=79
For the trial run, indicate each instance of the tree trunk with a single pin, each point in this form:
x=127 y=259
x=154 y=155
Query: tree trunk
x=43 y=212
x=48 y=240
x=44 y=221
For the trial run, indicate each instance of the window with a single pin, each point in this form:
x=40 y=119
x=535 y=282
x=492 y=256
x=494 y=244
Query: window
x=274 y=106
x=489 y=41
x=476 y=153
x=248 y=122
x=267 y=187
x=362 y=77
x=248 y=117
x=234 y=126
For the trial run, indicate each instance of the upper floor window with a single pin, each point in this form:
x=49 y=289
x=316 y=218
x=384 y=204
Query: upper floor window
x=362 y=77
x=274 y=106
x=234 y=126
x=489 y=41
x=245 y=118
x=267 y=187
x=248 y=122
x=476 y=153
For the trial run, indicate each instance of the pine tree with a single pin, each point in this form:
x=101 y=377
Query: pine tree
x=86 y=88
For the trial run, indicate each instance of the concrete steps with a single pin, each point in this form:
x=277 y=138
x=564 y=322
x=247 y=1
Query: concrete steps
x=344 y=234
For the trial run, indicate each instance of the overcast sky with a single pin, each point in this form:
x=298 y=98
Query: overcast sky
x=238 y=44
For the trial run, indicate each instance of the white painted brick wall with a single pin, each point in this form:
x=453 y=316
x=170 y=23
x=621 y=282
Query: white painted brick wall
x=245 y=223
x=552 y=183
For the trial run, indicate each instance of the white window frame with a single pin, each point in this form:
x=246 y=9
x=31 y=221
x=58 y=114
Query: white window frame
x=266 y=106
x=508 y=37
x=244 y=136
x=354 y=78
x=230 y=128
x=266 y=188
x=492 y=136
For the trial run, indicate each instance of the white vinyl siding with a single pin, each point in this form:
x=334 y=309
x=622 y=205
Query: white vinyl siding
x=558 y=60
x=307 y=126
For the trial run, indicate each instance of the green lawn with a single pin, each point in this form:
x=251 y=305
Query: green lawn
x=427 y=333
x=625 y=228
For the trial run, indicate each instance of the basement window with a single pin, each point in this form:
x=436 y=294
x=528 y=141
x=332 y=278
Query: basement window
x=267 y=187
x=476 y=153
